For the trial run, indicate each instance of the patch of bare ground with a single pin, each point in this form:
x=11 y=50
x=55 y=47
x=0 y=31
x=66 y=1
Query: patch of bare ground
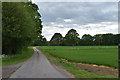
x=97 y=69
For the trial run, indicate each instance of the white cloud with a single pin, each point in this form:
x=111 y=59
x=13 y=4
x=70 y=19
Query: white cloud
x=52 y=23
x=60 y=25
x=67 y=20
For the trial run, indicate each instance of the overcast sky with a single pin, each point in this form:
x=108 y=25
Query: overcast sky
x=86 y=17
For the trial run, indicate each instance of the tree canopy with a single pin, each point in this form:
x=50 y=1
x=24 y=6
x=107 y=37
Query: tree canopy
x=87 y=39
x=71 y=38
x=41 y=41
x=21 y=25
x=56 y=40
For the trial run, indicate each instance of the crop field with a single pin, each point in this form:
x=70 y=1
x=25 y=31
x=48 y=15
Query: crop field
x=99 y=55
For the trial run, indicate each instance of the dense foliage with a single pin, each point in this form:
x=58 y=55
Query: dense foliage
x=21 y=26
x=56 y=40
x=41 y=41
x=72 y=39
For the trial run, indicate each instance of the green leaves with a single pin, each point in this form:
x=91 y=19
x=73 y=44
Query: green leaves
x=20 y=28
x=71 y=38
x=56 y=40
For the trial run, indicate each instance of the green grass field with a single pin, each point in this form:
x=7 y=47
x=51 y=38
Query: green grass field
x=18 y=58
x=100 y=55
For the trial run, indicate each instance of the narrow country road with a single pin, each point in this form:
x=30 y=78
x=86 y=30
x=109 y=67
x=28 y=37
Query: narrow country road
x=37 y=66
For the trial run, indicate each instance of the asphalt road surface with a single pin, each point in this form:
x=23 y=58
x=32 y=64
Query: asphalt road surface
x=37 y=66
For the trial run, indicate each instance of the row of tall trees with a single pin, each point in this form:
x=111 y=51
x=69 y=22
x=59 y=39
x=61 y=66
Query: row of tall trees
x=100 y=39
x=72 y=39
x=21 y=25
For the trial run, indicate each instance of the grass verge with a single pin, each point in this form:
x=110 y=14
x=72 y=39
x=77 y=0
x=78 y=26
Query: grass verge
x=73 y=69
x=18 y=58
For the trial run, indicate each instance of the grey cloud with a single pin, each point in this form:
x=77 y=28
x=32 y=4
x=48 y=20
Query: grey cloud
x=81 y=13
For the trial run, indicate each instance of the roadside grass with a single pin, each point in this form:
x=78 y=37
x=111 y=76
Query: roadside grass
x=73 y=69
x=99 y=55
x=18 y=58
x=0 y=60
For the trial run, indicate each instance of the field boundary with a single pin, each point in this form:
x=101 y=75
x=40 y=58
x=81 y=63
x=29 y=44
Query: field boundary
x=72 y=62
x=101 y=66
x=78 y=73
x=112 y=71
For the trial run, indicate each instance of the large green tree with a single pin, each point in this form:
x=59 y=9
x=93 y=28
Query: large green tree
x=107 y=39
x=71 y=38
x=56 y=40
x=87 y=39
x=97 y=39
x=116 y=39
x=21 y=26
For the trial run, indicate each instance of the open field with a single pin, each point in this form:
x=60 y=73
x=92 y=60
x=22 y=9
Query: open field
x=18 y=58
x=99 y=55
x=78 y=73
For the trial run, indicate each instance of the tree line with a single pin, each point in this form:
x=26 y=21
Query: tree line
x=72 y=39
x=21 y=26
